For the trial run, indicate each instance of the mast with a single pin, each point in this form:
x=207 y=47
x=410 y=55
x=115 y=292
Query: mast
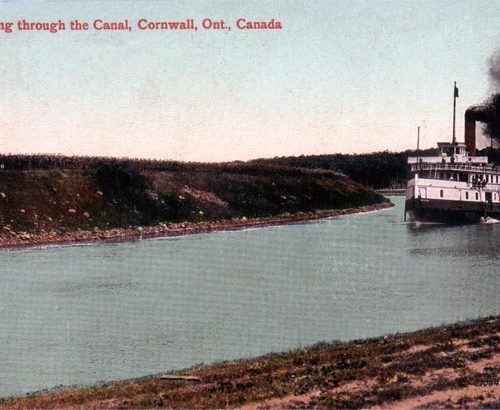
x=418 y=138
x=418 y=147
x=455 y=95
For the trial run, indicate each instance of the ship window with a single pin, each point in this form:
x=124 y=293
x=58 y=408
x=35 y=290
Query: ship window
x=487 y=178
x=466 y=195
x=441 y=193
x=477 y=196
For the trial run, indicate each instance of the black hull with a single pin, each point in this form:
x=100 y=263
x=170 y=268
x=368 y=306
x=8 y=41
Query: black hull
x=449 y=212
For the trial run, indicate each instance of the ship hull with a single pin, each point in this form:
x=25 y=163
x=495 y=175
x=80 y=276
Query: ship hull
x=449 y=212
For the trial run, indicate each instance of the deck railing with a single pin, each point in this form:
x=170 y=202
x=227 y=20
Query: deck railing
x=455 y=167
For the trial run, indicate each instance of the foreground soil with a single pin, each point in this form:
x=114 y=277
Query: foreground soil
x=176 y=229
x=454 y=366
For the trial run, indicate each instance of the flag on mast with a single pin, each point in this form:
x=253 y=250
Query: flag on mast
x=456 y=91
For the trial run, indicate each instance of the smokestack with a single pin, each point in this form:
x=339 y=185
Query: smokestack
x=488 y=112
x=483 y=113
x=470 y=135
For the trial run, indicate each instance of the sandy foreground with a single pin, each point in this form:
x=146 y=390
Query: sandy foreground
x=177 y=229
x=452 y=366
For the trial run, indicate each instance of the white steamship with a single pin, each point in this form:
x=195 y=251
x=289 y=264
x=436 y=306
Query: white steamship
x=454 y=187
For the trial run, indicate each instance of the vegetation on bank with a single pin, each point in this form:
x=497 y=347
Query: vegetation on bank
x=378 y=170
x=44 y=194
x=453 y=366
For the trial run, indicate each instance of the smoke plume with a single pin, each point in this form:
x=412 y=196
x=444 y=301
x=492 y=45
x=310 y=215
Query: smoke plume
x=494 y=71
x=488 y=112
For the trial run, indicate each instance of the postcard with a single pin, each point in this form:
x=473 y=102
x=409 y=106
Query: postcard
x=249 y=204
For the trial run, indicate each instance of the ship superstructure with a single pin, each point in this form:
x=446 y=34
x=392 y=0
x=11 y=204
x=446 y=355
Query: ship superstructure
x=453 y=187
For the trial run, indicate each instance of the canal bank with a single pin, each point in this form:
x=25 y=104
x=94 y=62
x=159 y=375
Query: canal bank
x=178 y=229
x=453 y=366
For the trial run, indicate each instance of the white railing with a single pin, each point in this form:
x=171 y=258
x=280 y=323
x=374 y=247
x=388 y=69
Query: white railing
x=456 y=159
x=460 y=166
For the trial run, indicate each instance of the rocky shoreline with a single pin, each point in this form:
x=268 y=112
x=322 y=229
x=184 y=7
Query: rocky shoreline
x=186 y=228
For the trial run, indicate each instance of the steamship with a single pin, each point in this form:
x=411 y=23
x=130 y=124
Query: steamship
x=455 y=186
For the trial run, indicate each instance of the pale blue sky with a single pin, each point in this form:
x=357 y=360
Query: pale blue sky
x=342 y=76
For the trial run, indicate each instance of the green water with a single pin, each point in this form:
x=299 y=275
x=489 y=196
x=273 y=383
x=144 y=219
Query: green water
x=83 y=314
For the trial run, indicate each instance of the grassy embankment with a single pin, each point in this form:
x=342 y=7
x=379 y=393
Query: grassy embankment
x=53 y=196
x=454 y=366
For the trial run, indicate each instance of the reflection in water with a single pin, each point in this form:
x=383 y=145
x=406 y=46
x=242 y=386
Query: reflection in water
x=73 y=315
x=461 y=240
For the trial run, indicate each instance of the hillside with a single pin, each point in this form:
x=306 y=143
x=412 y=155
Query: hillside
x=60 y=194
x=377 y=170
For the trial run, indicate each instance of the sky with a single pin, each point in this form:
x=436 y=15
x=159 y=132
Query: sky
x=339 y=77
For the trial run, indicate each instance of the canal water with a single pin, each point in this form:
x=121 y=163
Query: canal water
x=84 y=314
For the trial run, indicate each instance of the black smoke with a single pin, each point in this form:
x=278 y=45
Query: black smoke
x=494 y=71
x=488 y=112
x=483 y=112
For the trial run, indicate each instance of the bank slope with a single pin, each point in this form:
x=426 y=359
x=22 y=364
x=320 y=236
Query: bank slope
x=94 y=195
x=453 y=366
